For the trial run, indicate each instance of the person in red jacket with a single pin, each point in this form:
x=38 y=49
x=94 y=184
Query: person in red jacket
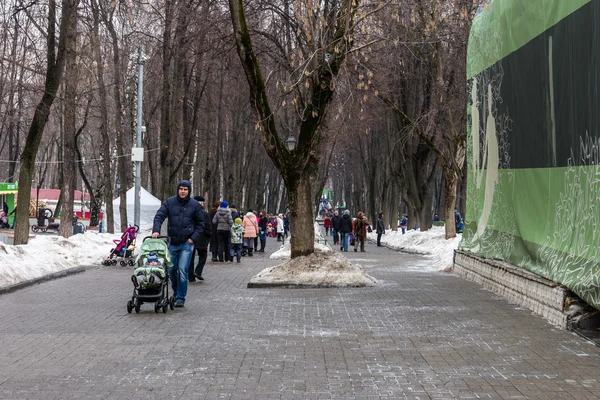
x=327 y=224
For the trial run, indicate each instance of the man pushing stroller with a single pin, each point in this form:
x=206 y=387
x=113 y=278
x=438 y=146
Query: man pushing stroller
x=185 y=225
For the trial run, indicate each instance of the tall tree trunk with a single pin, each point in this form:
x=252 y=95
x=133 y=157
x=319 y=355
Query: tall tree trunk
x=118 y=76
x=301 y=230
x=54 y=71
x=109 y=219
x=69 y=152
x=167 y=137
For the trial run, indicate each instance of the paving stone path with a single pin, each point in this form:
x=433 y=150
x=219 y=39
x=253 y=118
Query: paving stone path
x=421 y=335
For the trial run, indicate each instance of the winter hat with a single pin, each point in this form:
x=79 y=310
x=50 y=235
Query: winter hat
x=232 y=206
x=238 y=221
x=186 y=184
x=380 y=215
x=199 y=198
x=347 y=212
x=152 y=257
x=224 y=204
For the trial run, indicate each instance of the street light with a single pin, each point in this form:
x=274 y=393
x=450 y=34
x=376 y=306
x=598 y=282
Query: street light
x=291 y=143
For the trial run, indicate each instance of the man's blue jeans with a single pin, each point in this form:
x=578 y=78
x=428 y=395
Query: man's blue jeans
x=344 y=241
x=181 y=254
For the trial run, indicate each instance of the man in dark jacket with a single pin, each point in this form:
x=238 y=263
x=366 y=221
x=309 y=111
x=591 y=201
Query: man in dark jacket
x=201 y=245
x=185 y=225
x=335 y=227
x=345 y=229
x=380 y=228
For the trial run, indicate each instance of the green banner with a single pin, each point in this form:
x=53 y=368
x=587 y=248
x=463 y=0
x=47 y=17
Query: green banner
x=493 y=33
x=533 y=190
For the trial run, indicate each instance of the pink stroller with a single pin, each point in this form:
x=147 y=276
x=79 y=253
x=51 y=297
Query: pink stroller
x=124 y=249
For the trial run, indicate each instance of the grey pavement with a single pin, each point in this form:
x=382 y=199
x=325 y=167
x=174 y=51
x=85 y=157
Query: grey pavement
x=421 y=335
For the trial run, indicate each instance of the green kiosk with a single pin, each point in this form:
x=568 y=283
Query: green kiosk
x=7 y=195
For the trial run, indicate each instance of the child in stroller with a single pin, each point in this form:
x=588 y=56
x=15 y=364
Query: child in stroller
x=150 y=280
x=124 y=249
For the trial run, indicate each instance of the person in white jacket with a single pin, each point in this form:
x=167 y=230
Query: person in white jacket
x=280 y=228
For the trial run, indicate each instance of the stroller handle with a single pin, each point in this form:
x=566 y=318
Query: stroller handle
x=165 y=238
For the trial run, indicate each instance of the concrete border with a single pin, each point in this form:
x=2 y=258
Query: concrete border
x=518 y=285
x=52 y=276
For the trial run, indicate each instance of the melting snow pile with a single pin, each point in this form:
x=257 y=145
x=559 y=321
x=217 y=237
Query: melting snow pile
x=324 y=268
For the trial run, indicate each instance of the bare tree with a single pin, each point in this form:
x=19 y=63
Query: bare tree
x=330 y=46
x=56 y=59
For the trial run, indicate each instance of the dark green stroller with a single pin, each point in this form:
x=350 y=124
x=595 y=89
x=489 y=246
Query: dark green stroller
x=151 y=278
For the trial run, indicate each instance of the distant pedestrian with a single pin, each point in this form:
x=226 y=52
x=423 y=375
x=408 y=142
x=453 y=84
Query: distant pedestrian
x=262 y=231
x=250 y=226
x=360 y=231
x=458 y=221
x=224 y=223
x=380 y=228
x=403 y=224
x=286 y=225
x=345 y=229
x=214 y=240
x=237 y=239
x=327 y=224
x=335 y=227
x=201 y=246
x=280 y=228
x=185 y=225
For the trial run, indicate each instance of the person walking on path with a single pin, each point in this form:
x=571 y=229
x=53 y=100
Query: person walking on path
x=345 y=229
x=262 y=230
x=335 y=227
x=380 y=228
x=214 y=241
x=286 y=225
x=250 y=231
x=185 y=225
x=360 y=231
x=327 y=224
x=280 y=228
x=224 y=222
x=201 y=246
x=237 y=239
x=403 y=224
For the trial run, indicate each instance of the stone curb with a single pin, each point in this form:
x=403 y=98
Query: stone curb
x=52 y=276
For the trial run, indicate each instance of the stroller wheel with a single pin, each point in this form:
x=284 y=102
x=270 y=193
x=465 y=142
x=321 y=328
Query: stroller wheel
x=131 y=263
x=123 y=263
x=165 y=307
x=172 y=303
x=156 y=306
x=137 y=306
x=114 y=262
x=129 y=306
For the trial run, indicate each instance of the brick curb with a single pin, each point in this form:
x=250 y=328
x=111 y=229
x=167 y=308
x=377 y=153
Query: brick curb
x=52 y=276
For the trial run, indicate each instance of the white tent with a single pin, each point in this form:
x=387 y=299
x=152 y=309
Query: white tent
x=148 y=207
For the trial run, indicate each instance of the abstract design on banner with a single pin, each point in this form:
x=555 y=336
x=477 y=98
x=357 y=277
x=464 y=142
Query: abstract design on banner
x=533 y=188
x=580 y=196
x=489 y=157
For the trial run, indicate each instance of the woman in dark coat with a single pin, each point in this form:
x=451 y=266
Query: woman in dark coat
x=380 y=228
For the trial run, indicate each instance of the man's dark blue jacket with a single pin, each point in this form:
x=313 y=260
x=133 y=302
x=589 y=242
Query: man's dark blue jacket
x=186 y=219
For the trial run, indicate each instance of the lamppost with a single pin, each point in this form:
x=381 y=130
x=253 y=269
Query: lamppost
x=291 y=143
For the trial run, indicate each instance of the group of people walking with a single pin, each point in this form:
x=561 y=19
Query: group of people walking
x=345 y=229
x=192 y=229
